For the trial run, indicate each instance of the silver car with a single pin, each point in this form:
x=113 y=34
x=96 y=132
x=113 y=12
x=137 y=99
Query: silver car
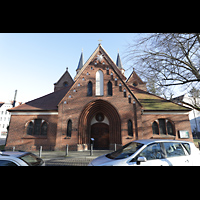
x=19 y=158
x=152 y=152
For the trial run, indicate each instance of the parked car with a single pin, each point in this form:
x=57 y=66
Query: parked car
x=19 y=158
x=152 y=152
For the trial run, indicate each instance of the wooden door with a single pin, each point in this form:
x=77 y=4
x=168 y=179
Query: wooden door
x=100 y=133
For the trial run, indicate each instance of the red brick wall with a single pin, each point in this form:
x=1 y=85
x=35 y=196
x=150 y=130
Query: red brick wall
x=181 y=122
x=17 y=133
x=71 y=108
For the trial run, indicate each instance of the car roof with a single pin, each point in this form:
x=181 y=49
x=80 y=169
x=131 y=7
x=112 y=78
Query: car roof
x=13 y=153
x=149 y=141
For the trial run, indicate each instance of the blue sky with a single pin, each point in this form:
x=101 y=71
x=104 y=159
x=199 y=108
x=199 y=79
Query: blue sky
x=33 y=62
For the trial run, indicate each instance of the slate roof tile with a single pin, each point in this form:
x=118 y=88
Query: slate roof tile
x=47 y=102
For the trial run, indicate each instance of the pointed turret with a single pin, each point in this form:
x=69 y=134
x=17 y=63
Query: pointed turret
x=119 y=63
x=80 y=64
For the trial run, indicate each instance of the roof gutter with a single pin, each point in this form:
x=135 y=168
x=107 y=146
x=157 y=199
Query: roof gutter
x=166 y=112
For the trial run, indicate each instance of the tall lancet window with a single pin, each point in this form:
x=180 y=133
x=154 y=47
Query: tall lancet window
x=89 y=89
x=99 y=83
x=69 y=128
x=109 y=88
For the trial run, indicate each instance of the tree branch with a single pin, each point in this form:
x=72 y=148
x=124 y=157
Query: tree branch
x=183 y=82
x=172 y=58
x=193 y=106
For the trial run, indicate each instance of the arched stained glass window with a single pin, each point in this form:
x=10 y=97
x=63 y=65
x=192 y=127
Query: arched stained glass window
x=44 y=128
x=163 y=127
x=37 y=127
x=130 y=128
x=69 y=128
x=109 y=88
x=99 y=83
x=89 y=89
x=155 y=128
x=170 y=128
x=29 y=130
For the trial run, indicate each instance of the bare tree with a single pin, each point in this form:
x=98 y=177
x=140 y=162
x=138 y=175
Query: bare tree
x=171 y=58
x=195 y=97
x=195 y=94
x=152 y=87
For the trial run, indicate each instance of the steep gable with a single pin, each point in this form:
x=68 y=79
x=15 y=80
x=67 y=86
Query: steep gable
x=93 y=59
x=64 y=81
x=136 y=81
x=98 y=65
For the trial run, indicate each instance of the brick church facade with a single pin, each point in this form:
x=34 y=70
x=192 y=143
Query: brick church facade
x=100 y=103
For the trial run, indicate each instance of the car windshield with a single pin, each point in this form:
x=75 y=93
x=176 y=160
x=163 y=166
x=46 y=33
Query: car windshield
x=32 y=159
x=126 y=151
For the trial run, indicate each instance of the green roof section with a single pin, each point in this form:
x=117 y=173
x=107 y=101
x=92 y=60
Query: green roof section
x=152 y=102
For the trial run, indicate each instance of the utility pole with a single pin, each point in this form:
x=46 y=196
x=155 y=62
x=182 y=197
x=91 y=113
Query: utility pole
x=14 y=101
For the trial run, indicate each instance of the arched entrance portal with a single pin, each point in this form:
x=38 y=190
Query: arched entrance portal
x=106 y=130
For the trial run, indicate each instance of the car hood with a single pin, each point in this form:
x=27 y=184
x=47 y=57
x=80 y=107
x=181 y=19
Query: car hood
x=101 y=160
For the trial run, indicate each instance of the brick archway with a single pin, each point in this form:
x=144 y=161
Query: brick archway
x=89 y=111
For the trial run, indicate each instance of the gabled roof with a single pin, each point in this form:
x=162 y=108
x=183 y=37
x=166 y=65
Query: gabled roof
x=106 y=56
x=66 y=73
x=48 y=102
x=134 y=77
x=151 y=102
x=64 y=80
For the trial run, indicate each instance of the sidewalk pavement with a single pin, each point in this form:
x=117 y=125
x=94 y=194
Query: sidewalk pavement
x=74 y=158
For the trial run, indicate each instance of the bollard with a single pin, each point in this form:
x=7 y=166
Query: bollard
x=13 y=148
x=91 y=149
x=91 y=146
x=66 y=152
x=115 y=146
x=40 y=152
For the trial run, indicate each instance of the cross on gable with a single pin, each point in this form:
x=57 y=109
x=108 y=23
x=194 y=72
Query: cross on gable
x=100 y=41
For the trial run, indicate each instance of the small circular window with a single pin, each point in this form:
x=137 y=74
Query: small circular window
x=135 y=84
x=65 y=84
x=99 y=117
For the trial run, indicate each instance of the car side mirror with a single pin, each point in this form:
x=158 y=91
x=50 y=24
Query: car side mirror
x=141 y=159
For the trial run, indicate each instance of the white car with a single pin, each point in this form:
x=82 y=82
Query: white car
x=19 y=158
x=152 y=152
